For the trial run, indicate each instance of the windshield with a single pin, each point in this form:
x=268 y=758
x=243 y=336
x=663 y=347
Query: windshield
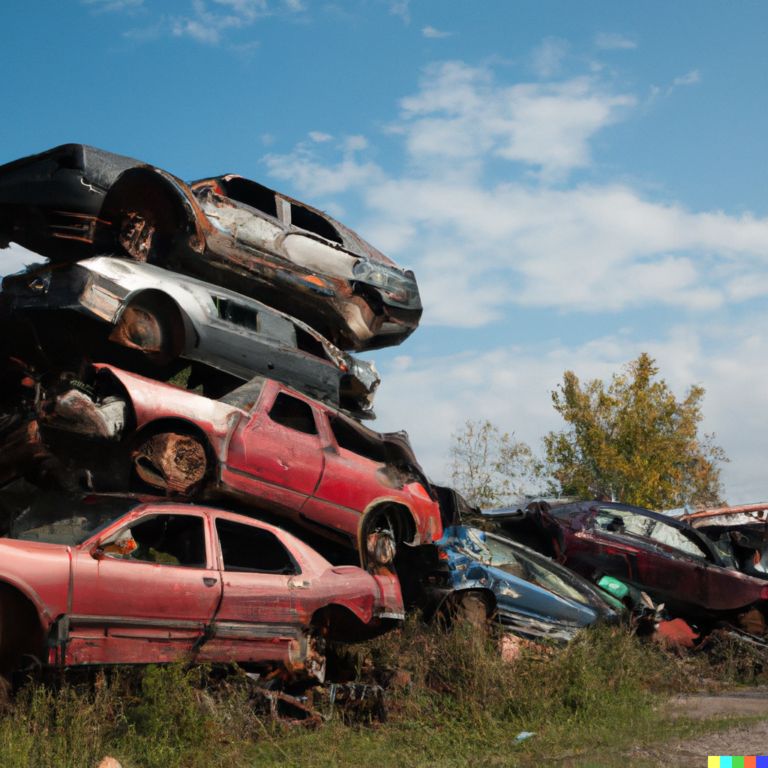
x=52 y=517
x=528 y=567
x=622 y=522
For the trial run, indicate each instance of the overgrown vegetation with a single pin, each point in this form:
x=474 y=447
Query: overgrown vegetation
x=463 y=704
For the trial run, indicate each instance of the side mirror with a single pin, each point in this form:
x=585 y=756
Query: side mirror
x=97 y=553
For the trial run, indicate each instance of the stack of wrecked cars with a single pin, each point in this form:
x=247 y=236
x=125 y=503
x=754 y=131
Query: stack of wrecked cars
x=183 y=464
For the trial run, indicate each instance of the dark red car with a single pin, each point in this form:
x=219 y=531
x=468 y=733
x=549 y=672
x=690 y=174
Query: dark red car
x=263 y=444
x=165 y=580
x=668 y=559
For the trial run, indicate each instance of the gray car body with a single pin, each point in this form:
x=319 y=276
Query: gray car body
x=103 y=287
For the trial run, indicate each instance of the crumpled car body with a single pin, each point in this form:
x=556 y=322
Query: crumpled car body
x=165 y=581
x=166 y=316
x=263 y=444
x=227 y=230
x=738 y=533
x=667 y=559
x=531 y=595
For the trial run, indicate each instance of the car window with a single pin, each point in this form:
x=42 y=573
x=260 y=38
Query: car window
x=164 y=539
x=623 y=521
x=519 y=563
x=358 y=439
x=293 y=413
x=252 y=549
x=245 y=396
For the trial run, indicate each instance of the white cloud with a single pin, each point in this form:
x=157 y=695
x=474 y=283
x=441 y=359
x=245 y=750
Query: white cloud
x=294 y=5
x=511 y=386
x=114 y=5
x=267 y=139
x=691 y=78
x=319 y=137
x=354 y=143
x=613 y=41
x=461 y=113
x=400 y=8
x=209 y=26
x=548 y=58
x=486 y=246
x=434 y=33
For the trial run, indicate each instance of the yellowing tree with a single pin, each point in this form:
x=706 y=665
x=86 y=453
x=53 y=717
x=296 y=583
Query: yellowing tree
x=633 y=442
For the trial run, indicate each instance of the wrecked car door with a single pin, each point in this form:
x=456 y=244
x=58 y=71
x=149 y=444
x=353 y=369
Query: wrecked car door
x=351 y=479
x=144 y=592
x=661 y=559
x=276 y=454
x=256 y=620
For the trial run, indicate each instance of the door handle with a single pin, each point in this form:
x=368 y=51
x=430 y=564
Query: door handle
x=209 y=582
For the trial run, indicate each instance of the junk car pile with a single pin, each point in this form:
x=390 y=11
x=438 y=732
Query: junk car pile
x=183 y=467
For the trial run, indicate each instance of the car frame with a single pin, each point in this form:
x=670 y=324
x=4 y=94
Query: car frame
x=113 y=599
x=670 y=561
x=263 y=444
x=491 y=576
x=74 y=201
x=167 y=316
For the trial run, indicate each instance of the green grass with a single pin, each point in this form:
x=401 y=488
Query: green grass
x=463 y=705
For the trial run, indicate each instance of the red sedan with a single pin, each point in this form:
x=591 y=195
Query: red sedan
x=263 y=444
x=166 y=580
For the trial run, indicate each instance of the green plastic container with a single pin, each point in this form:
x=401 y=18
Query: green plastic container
x=613 y=587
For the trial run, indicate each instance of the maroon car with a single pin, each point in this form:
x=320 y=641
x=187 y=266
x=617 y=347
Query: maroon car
x=167 y=580
x=667 y=559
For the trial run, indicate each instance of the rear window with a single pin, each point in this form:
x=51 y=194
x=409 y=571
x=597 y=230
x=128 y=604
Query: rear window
x=293 y=413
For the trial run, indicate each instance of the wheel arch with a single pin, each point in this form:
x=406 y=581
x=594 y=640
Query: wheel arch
x=164 y=307
x=375 y=506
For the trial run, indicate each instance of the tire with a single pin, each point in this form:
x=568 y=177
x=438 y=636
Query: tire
x=472 y=608
x=174 y=462
x=384 y=531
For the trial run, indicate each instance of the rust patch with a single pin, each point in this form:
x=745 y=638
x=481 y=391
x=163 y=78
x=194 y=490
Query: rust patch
x=136 y=235
x=138 y=329
x=174 y=462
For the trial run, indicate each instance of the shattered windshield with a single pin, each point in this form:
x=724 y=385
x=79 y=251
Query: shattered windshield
x=623 y=521
x=528 y=567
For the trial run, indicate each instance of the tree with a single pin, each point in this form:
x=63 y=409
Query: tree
x=633 y=442
x=488 y=468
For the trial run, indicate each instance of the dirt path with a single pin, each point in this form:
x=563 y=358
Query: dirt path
x=741 y=740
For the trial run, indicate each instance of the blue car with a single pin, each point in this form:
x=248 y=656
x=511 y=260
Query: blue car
x=532 y=596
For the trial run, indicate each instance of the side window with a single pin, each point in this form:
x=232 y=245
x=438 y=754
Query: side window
x=248 y=548
x=359 y=440
x=293 y=413
x=166 y=539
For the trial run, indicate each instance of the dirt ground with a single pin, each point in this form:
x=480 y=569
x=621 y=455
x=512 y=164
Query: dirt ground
x=742 y=740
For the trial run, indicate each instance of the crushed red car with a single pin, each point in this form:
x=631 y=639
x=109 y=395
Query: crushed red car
x=262 y=444
x=164 y=581
x=667 y=559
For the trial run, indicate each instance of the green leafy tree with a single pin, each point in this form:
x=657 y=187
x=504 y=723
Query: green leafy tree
x=633 y=442
x=488 y=468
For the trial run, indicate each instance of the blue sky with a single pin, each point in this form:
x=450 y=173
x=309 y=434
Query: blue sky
x=572 y=182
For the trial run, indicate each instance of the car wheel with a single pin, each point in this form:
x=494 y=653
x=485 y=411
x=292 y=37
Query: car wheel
x=176 y=463
x=472 y=608
x=383 y=532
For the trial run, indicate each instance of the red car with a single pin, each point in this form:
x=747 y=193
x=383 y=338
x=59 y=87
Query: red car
x=165 y=580
x=263 y=444
x=672 y=562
